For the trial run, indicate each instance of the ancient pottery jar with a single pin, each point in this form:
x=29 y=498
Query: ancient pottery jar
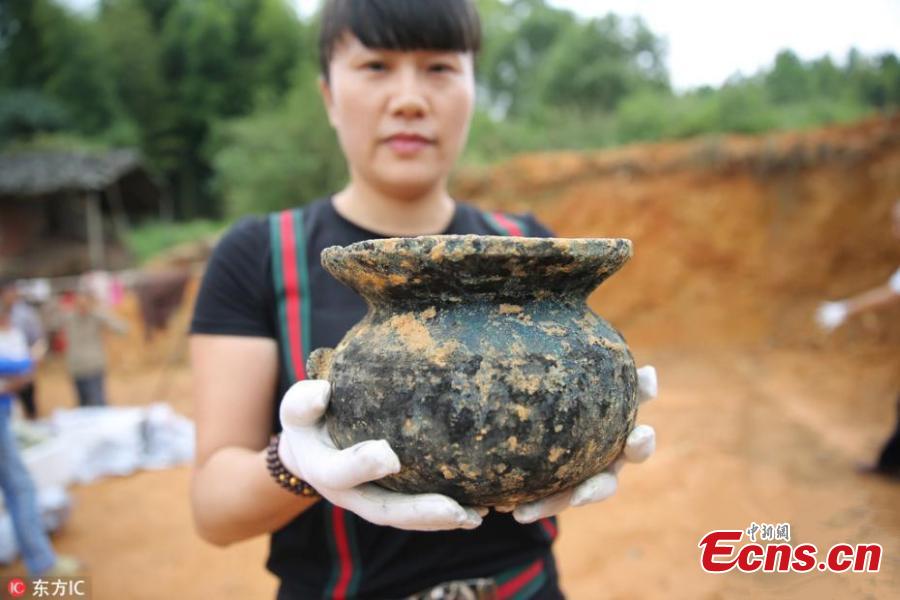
x=481 y=364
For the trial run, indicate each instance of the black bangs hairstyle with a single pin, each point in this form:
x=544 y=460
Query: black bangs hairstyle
x=400 y=25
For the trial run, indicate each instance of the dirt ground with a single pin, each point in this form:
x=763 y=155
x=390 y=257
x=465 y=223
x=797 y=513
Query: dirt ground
x=760 y=417
x=750 y=436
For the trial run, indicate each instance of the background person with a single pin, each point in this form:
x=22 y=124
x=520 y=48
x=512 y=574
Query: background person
x=83 y=326
x=831 y=315
x=19 y=495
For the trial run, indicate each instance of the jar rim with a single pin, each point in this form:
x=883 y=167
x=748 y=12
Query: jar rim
x=423 y=266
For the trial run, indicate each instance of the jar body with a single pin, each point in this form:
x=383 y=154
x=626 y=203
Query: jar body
x=487 y=404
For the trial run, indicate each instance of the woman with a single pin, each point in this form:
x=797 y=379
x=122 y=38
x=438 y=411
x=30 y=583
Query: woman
x=398 y=85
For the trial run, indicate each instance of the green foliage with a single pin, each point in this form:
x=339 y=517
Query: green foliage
x=279 y=43
x=517 y=38
x=68 y=142
x=220 y=64
x=534 y=57
x=25 y=113
x=48 y=49
x=154 y=73
x=645 y=116
x=626 y=60
x=129 y=41
x=149 y=239
x=550 y=80
x=878 y=79
x=492 y=139
x=220 y=94
x=740 y=106
x=280 y=156
x=789 y=80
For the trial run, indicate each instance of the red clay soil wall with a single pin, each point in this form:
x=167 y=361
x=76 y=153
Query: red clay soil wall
x=736 y=238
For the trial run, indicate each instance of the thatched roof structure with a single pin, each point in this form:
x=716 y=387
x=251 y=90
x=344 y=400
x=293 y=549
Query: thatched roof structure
x=63 y=212
x=39 y=173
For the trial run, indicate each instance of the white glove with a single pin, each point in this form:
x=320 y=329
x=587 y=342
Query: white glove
x=343 y=477
x=830 y=315
x=639 y=445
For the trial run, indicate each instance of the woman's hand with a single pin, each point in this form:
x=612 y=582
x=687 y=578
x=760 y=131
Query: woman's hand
x=639 y=446
x=343 y=477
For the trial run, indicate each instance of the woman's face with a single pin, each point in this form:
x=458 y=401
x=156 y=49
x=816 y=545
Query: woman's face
x=402 y=117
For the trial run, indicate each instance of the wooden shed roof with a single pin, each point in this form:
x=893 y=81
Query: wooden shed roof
x=39 y=173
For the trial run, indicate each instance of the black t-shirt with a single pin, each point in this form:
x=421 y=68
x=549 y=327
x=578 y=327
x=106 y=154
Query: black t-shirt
x=326 y=551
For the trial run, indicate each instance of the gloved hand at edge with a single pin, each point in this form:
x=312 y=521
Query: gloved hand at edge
x=639 y=445
x=343 y=477
x=830 y=315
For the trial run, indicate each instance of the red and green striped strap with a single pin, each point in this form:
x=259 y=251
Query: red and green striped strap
x=504 y=224
x=292 y=292
x=345 y=575
x=521 y=583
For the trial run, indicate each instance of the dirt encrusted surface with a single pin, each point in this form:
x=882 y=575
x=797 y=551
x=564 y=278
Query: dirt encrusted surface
x=760 y=419
x=485 y=396
x=481 y=365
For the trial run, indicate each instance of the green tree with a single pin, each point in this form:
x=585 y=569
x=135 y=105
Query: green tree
x=283 y=42
x=538 y=56
x=826 y=78
x=880 y=87
x=601 y=62
x=132 y=45
x=743 y=107
x=789 y=80
x=279 y=156
x=158 y=10
x=218 y=64
x=26 y=113
x=518 y=38
x=644 y=116
x=221 y=94
x=49 y=49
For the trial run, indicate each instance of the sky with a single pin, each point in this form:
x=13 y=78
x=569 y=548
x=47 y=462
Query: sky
x=710 y=40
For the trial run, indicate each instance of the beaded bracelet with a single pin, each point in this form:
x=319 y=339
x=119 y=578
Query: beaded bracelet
x=282 y=476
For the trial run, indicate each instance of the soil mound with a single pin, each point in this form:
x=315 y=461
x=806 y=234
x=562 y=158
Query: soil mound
x=736 y=238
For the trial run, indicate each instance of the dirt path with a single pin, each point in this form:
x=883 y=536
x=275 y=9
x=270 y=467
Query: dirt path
x=742 y=439
x=749 y=436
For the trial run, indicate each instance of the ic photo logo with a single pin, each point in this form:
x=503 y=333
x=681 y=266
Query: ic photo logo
x=16 y=588
x=722 y=551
